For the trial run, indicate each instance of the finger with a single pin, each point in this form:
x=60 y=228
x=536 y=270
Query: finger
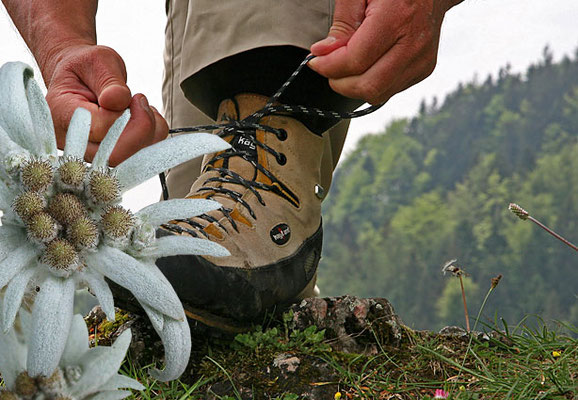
x=64 y=105
x=380 y=30
x=161 y=126
x=105 y=75
x=388 y=76
x=347 y=17
x=139 y=133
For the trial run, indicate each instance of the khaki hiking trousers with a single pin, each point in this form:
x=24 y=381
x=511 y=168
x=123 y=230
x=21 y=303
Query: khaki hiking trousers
x=201 y=32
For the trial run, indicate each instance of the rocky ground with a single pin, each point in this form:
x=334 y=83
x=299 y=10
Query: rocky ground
x=348 y=325
x=327 y=348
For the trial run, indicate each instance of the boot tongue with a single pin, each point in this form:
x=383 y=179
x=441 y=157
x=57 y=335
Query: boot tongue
x=248 y=104
x=238 y=108
x=245 y=105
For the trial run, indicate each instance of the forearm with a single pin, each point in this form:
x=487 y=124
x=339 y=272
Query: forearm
x=451 y=3
x=50 y=26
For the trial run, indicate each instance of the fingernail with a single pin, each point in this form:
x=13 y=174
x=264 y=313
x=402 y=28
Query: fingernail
x=327 y=41
x=145 y=105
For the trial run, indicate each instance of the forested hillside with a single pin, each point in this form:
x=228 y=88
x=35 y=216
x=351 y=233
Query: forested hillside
x=437 y=187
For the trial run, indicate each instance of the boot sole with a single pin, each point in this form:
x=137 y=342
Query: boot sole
x=232 y=299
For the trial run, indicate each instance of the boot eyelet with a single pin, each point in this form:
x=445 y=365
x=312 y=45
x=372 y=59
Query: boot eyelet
x=282 y=135
x=281 y=159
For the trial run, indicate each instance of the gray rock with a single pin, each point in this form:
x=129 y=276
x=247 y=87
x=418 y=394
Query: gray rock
x=455 y=331
x=286 y=362
x=351 y=324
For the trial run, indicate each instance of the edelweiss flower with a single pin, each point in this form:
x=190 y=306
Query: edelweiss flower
x=82 y=373
x=63 y=227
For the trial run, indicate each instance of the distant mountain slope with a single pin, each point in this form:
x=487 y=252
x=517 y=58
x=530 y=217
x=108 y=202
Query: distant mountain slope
x=437 y=187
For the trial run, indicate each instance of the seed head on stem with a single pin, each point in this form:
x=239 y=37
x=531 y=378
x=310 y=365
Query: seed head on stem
x=452 y=268
x=496 y=280
x=525 y=215
x=519 y=211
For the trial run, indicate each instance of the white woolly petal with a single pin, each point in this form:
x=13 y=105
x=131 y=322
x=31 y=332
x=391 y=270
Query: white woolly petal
x=121 y=381
x=161 y=156
x=135 y=276
x=77 y=134
x=157 y=319
x=77 y=344
x=13 y=297
x=110 y=395
x=167 y=246
x=102 y=292
x=12 y=357
x=176 y=338
x=7 y=196
x=15 y=261
x=51 y=319
x=14 y=112
x=26 y=323
x=41 y=119
x=99 y=366
x=8 y=145
x=164 y=211
x=10 y=238
x=107 y=145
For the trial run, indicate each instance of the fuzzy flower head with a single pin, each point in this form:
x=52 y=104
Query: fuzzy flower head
x=63 y=227
x=451 y=267
x=441 y=394
x=81 y=373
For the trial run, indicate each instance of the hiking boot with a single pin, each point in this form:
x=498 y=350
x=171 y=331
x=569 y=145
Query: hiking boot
x=270 y=219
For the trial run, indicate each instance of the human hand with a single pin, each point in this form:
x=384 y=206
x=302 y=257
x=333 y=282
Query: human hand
x=94 y=77
x=377 y=48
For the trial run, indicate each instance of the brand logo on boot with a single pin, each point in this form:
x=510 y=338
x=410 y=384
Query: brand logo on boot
x=245 y=143
x=280 y=234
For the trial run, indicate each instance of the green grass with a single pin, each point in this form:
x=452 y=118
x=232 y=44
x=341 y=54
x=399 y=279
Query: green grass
x=522 y=362
x=527 y=361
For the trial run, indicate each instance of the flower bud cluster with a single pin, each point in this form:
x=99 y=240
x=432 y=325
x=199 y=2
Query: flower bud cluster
x=28 y=388
x=68 y=209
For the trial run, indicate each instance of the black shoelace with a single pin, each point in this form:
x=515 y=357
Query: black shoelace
x=250 y=124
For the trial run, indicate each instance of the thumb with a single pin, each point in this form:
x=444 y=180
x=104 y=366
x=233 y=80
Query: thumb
x=347 y=17
x=115 y=96
x=107 y=80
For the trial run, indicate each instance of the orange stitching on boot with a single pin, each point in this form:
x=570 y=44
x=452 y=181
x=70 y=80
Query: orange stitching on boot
x=262 y=157
x=237 y=216
x=214 y=231
x=218 y=164
x=203 y=195
x=294 y=200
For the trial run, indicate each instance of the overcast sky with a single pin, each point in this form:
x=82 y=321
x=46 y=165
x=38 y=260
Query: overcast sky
x=478 y=37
